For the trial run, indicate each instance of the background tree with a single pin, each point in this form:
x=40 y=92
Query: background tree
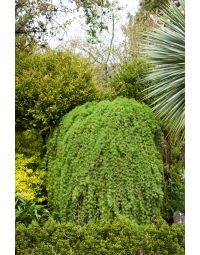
x=107 y=53
x=36 y=20
x=145 y=19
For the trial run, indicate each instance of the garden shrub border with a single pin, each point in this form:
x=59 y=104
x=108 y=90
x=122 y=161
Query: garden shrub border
x=122 y=237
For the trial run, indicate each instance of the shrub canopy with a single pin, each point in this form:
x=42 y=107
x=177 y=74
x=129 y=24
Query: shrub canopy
x=122 y=237
x=130 y=82
x=49 y=85
x=103 y=161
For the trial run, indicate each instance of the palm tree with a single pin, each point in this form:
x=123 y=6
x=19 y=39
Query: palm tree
x=165 y=50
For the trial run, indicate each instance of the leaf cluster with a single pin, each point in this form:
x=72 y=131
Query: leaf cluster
x=29 y=143
x=27 y=212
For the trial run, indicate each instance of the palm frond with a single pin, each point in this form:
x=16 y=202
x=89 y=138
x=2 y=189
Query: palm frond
x=165 y=50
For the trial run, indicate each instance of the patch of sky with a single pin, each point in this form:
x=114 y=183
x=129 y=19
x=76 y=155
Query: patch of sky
x=76 y=30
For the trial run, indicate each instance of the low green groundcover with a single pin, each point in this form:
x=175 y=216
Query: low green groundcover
x=122 y=237
x=103 y=161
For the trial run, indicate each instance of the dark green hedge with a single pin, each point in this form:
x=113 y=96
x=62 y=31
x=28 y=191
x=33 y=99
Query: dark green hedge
x=122 y=237
x=103 y=161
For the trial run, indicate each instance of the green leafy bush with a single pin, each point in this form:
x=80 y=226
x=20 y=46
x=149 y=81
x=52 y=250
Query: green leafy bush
x=130 y=82
x=29 y=143
x=173 y=179
x=26 y=212
x=176 y=189
x=103 y=161
x=48 y=85
x=122 y=237
x=29 y=179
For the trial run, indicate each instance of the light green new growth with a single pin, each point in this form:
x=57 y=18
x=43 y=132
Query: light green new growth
x=103 y=161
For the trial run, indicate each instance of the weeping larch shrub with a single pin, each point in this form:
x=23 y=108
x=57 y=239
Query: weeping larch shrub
x=103 y=161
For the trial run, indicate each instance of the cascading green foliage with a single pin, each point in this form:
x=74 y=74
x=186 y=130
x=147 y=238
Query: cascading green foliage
x=103 y=161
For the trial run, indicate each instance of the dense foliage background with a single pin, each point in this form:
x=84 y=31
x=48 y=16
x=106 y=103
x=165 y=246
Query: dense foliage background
x=96 y=169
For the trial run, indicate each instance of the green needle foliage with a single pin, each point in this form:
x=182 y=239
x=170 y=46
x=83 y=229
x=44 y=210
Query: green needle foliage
x=165 y=49
x=103 y=161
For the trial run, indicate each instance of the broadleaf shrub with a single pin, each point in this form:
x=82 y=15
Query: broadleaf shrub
x=176 y=190
x=174 y=180
x=48 y=85
x=29 y=182
x=29 y=143
x=122 y=237
x=130 y=82
x=173 y=154
x=103 y=160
